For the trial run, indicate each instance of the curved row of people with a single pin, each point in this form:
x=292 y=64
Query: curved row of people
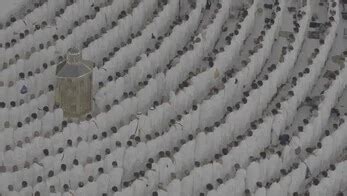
x=183 y=124
x=20 y=10
x=47 y=56
x=141 y=16
x=46 y=34
x=297 y=143
x=51 y=69
x=19 y=113
x=41 y=57
x=333 y=182
x=180 y=33
x=204 y=41
x=291 y=149
x=137 y=73
x=199 y=84
x=25 y=90
x=253 y=172
x=153 y=84
x=130 y=156
x=261 y=190
x=313 y=130
x=196 y=127
x=24 y=133
x=44 y=12
x=326 y=156
x=36 y=57
x=52 y=51
x=300 y=90
x=231 y=159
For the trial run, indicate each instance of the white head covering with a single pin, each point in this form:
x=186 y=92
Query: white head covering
x=275 y=190
x=166 y=168
x=129 y=162
x=102 y=182
x=174 y=188
x=47 y=123
x=9 y=159
x=81 y=191
x=42 y=188
x=27 y=191
x=14 y=116
x=139 y=187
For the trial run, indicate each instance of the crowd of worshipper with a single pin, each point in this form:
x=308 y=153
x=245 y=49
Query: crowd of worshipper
x=180 y=107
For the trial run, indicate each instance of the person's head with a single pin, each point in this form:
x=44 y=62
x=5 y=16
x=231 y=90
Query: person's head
x=24 y=184
x=45 y=152
x=39 y=179
x=219 y=181
x=63 y=167
x=259 y=184
x=66 y=187
x=10 y=187
x=125 y=184
x=50 y=173
x=101 y=170
x=52 y=189
x=75 y=162
x=332 y=167
x=315 y=181
x=15 y=168
x=114 y=164
x=80 y=184
x=46 y=109
x=209 y=186
x=114 y=188
x=114 y=129
x=340 y=193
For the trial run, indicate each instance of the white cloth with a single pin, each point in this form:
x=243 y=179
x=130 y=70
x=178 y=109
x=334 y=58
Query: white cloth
x=166 y=167
x=174 y=188
x=20 y=156
x=275 y=190
x=298 y=176
x=9 y=159
x=77 y=176
x=47 y=123
x=102 y=182
x=240 y=181
x=42 y=188
x=3 y=117
x=274 y=164
x=81 y=191
x=260 y=192
x=116 y=177
x=186 y=186
x=139 y=188
x=27 y=191
x=317 y=190
x=14 y=116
